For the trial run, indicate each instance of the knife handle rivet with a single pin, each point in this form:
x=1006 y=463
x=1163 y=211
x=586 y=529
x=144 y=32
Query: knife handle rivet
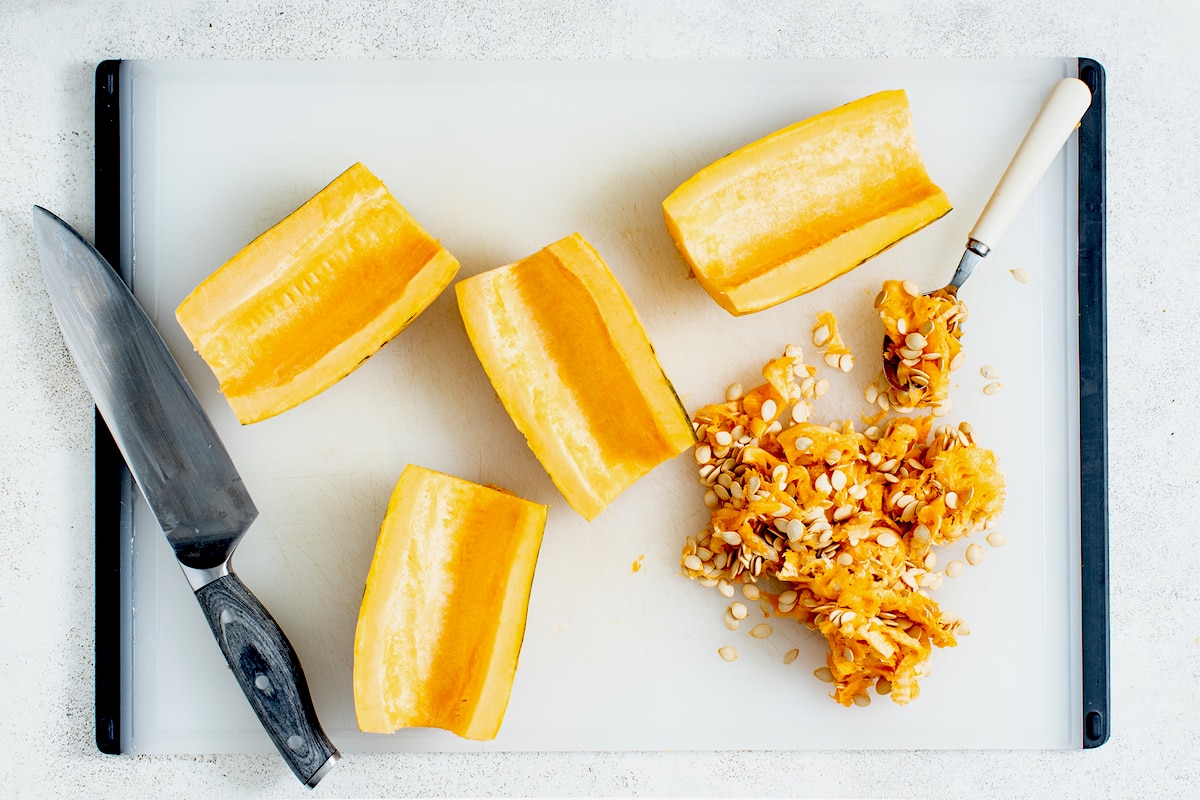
x=295 y=742
x=226 y=616
x=263 y=683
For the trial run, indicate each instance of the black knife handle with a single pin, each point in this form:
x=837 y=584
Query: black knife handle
x=267 y=669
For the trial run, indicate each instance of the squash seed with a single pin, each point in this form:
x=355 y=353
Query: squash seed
x=832 y=360
x=791 y=655
x=974 y=554
x=767 y=412
x=732 y=538
x=910 y=288
x=693 y=563
x=733 y=392
x=703 y=454
x=993 y=388
x=824 y=674
x=989 y=372
x=915 y=341
x=820 y=335
x=887 y=539
x=846 y=362
x=738 y=610
x=728 y=653
x=761 y=631
x=751 y=591
x=723 y=438
x=996 y=539
x=1021 y=274
x=794 y=351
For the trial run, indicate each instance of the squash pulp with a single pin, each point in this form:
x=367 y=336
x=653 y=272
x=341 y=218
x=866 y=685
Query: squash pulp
x=443 y=615
x=305 y=303
x=796 y=209
x=566 y=353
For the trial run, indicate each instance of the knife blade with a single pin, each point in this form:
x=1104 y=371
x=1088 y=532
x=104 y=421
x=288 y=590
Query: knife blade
x=187 y=477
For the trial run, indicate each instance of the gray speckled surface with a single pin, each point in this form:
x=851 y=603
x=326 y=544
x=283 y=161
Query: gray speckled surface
x=50 y=50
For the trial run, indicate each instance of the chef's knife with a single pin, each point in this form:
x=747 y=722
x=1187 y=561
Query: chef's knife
x=186 y=476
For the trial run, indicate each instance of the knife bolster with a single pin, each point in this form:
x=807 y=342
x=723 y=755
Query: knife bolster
x=199 y=578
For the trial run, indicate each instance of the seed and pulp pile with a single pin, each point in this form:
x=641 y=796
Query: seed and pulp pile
x=847 y=522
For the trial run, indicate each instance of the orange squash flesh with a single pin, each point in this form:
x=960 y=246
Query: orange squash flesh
x=796 y=209
x=301 y=306
x=443 y=615
x=569 y=358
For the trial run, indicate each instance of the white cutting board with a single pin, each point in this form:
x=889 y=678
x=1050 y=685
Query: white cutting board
x=499 y=160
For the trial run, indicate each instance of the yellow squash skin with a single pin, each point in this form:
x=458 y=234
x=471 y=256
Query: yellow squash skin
x=443 y=614
x=305 y=303
x=796 y=209
x=569 y=358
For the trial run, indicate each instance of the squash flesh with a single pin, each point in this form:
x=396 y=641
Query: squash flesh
x=443 y=614
x=306 y=302
x=796 y=209
x=566 y=353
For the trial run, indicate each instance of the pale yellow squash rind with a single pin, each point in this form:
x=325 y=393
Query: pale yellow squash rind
x=804 y=205
x=444 y=610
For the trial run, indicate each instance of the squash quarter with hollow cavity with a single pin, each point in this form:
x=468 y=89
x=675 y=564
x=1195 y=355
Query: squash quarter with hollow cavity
x=572 y=364
x=796 y=209
x=305 y=303
x=443 y=614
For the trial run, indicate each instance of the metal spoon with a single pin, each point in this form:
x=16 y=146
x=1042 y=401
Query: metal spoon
x=1059 y=115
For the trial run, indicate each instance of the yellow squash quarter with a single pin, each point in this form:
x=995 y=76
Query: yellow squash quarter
x=305 y=303
x=796 y=209
x=569 y=358
x=443 y=615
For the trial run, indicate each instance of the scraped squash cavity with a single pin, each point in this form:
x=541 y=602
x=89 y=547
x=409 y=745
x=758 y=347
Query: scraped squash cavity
x=309 y=300
x=798 y=208
x=443 y=614
x=569 y=359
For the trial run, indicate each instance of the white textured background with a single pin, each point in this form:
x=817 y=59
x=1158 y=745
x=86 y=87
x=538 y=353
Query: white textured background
x=49 y=51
